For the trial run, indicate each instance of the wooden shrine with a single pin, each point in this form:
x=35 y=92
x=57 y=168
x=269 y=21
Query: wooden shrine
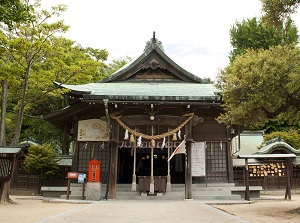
x=133 y=120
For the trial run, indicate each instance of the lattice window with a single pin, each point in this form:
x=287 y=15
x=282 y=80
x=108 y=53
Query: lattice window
x=216 y=161
x=5 y=167
x=91 y=150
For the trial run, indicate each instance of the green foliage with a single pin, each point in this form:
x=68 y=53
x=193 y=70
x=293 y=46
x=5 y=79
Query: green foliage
x=276 y=11
x=280 y=125
x=41 y=161
x=253 y=34
x=262 y=85
x=117 y=64
x=41 y=130
x=33 y=56
x=15 y=11
x=292 y=137
x=267 y=86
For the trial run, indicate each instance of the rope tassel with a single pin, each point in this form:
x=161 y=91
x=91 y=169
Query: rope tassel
x=152 y=143
x=132 y=138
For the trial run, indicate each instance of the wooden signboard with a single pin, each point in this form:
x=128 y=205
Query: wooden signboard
x=198 y=159
x=93 y=130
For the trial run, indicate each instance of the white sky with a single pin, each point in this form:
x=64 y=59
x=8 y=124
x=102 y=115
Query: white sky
x=194 y=33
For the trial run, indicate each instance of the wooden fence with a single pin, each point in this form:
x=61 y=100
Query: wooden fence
x=267 y=182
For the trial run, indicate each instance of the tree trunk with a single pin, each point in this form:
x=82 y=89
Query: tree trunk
x=4 y=192
x=3 y=113
x=17 y=133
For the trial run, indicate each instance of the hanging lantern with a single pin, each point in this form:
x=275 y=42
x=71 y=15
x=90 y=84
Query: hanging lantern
x=132 y=138
x=152 y=143
x=174 y=137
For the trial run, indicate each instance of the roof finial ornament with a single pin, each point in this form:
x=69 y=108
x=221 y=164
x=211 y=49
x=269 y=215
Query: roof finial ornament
x=153 y=39
x=153 y=43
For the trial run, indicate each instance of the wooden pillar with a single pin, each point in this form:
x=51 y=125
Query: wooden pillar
x=65 y=147
x=247 y=192
x=76 y=148
x=168 y=188
x=152 y=176
x=188 y=161
x=229 y=163
x=113 y=161
x=288 y=194
x=133 y=185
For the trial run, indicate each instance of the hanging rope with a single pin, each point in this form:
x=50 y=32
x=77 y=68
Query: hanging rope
x=150 y=137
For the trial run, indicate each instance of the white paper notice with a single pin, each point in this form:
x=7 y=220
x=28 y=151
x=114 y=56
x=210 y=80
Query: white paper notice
x=198 y=159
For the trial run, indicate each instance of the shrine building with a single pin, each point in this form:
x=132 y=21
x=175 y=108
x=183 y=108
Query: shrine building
x=133 y=120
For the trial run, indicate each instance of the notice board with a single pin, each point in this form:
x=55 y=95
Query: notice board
x=93 y=130
x=198 y=159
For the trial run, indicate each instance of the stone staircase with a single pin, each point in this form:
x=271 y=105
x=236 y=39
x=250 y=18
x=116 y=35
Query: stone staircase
x=203 y=192
x=210 y=191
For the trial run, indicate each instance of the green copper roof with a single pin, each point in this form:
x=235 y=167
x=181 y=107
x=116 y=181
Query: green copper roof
x=277 y=145
x=149 y=91
x=10 y=150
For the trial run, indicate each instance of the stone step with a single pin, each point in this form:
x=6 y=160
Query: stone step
x=72 y=197
x=199 y=192
x=177 y=197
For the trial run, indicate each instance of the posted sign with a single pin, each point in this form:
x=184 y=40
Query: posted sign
x=72 y=175
x=198 y=159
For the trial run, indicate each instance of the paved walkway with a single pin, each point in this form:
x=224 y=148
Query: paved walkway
x=143 y=211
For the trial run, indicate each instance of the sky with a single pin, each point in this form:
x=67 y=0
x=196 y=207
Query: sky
x=194 y=33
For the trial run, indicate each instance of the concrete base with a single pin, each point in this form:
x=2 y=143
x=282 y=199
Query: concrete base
x=133 y=186
x=144 y=194
x=93 y=191
x=151 y=188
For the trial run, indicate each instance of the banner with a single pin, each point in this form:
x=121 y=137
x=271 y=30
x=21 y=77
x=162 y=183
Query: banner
x=179 y=149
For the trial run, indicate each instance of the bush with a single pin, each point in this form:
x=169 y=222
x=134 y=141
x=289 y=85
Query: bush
x=292 y=137
x=41 y=161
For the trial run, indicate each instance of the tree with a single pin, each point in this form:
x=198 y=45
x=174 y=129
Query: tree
x=43 y=57
x=14 y=11
x=262 y=85
x=41 y=161
x=27 y=44
x=275 y=12
x=32 y=56
x=254 y=34
x=116 y=64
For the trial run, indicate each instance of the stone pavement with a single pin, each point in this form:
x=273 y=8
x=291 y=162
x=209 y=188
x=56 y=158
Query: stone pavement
x=142 y=211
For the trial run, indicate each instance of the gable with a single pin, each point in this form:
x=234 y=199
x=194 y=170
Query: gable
x=153 y=66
